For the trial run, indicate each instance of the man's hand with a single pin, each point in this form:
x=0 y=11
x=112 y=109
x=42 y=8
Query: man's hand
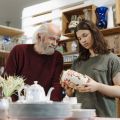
x=68 y=86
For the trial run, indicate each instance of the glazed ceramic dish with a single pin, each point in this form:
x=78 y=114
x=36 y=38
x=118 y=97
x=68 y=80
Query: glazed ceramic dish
x=74 y=77
x=55 y=110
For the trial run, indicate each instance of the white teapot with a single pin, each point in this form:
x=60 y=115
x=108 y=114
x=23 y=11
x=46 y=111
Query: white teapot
x=35 y=93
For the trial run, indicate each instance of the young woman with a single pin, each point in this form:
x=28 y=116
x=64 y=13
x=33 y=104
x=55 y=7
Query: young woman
x=102 y=69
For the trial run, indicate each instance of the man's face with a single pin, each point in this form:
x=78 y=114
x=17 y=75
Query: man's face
x=48 y=43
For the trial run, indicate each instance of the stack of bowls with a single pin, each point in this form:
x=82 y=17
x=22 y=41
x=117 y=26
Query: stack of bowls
x=51 y=111
x=83 y=114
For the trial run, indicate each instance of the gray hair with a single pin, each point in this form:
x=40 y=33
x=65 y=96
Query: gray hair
x=42 y=29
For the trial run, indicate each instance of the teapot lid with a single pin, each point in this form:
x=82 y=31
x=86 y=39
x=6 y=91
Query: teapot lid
x=36 y=86
x=35 y=82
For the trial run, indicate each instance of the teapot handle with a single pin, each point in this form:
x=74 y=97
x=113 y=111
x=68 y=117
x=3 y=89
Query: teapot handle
x=49 y=93
x=19 y=92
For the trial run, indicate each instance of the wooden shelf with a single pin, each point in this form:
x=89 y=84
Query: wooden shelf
x=4 y=51
x=67 y=65
x=10 y=31
x=67 y=40
x=111 y=31
x=70 y=53
x=69 y=35
x=3 y=57
x=105 y=32
x=118 y=54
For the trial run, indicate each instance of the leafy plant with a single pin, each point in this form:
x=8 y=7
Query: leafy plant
x=11 y=84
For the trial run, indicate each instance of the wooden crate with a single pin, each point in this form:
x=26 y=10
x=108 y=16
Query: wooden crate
x=118 y=107
x=117 y=4
x=77 y=10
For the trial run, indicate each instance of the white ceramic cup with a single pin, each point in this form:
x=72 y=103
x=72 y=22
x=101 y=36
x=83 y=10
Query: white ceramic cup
x=73 y=100
x=76 y=106
x=83 y=113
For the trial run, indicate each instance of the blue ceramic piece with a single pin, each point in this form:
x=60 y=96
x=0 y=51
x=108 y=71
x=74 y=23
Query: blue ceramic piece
x=102 y=17
x=6 y=39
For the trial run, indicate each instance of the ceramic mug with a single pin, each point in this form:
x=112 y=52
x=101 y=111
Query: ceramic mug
x=83 y=114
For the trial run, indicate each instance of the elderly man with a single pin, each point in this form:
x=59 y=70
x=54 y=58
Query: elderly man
x=39 y=61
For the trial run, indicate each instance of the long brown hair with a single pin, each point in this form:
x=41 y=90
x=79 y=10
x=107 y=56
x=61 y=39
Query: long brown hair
x=99 y=43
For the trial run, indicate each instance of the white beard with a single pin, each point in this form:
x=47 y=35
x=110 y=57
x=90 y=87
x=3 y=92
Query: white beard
x=49 y=51
x=46 y=48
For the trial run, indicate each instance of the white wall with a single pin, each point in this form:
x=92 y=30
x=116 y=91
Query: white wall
x=11 y=10
x=44 y=12
x=100 y=2
x=51 y=10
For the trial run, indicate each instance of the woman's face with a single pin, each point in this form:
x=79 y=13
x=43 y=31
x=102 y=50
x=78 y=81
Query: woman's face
x=85 y=38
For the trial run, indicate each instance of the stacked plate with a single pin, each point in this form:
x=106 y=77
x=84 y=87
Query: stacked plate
x=3 y=114
x=84 y=114
x=55 y=110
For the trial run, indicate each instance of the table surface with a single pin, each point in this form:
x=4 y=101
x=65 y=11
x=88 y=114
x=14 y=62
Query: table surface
x=96 y=118
x=101 y=118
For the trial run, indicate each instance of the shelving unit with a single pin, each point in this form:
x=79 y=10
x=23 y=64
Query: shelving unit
x=66 y=18
x=11 y=32
x=67 y=65
x=3 y=57
x=67 y=40
x=78 y=10
x=117 y=4
x=69 y=53
x=111 y=31
x=105 y=32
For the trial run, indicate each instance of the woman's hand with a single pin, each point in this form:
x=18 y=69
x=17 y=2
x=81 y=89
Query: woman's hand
x=90 y=86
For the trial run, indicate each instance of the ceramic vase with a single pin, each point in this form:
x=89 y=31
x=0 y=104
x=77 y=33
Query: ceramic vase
x=110 y=17
x=102 y=17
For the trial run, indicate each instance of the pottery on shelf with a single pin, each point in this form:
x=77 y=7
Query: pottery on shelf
x=102 y=17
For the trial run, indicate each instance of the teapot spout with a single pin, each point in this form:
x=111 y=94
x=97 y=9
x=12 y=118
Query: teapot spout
x=49 y=93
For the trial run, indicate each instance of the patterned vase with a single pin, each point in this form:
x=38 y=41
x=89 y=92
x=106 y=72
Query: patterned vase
x=102 y=17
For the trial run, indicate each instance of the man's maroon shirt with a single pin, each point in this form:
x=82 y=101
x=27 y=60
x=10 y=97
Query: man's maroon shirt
x=46 y=69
